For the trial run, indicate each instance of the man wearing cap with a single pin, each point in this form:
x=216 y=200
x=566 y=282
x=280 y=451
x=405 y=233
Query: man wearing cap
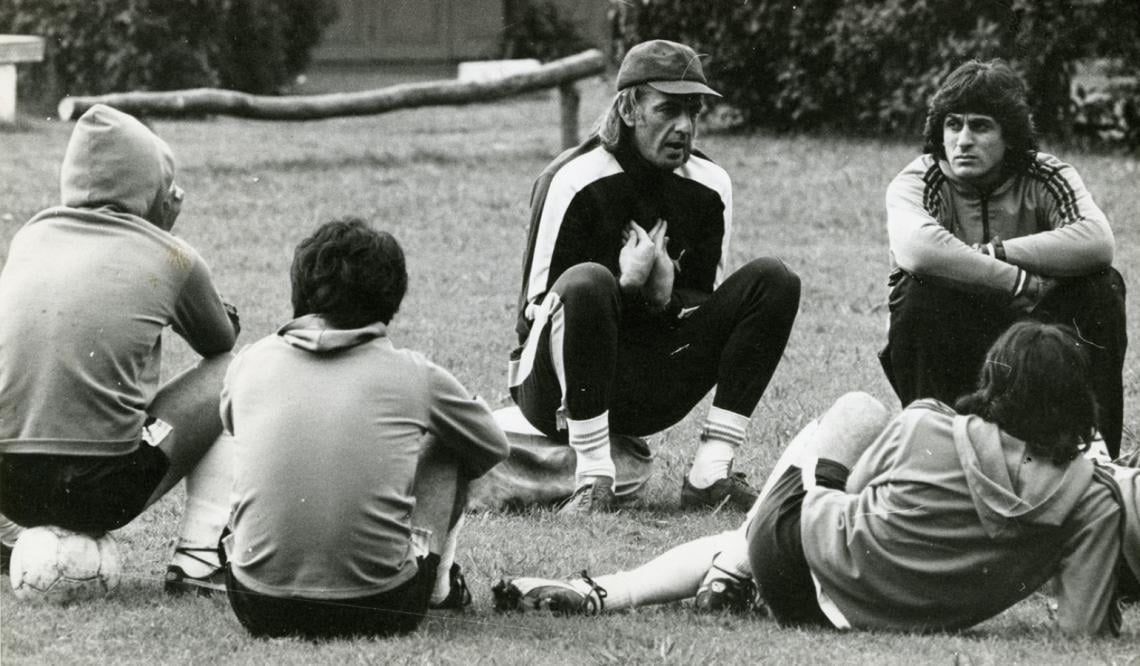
x=627 y=313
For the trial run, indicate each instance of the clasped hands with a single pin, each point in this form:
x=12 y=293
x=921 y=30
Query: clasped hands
x=645 y=264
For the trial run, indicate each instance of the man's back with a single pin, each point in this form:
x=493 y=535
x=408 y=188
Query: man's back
x=330 y=424
x=947 y=522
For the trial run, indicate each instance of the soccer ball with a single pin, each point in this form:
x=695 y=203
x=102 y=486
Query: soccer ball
x=54 y=565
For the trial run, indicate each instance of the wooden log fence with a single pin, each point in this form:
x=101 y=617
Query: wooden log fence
x=212 y=101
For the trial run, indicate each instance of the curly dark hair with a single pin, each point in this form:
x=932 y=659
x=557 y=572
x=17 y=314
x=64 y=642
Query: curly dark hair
x=1035 y=385
x=991 y=88
x=348 y=273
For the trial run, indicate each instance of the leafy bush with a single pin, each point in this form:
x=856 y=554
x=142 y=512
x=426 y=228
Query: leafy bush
x=536 y=29
x=871 y=65
x=116 y=45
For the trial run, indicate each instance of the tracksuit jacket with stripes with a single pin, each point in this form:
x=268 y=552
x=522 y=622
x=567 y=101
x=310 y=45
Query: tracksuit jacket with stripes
x=1045 y=218
x=582 y=201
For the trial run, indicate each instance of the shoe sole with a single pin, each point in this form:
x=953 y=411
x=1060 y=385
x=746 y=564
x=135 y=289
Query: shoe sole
x=507 y=597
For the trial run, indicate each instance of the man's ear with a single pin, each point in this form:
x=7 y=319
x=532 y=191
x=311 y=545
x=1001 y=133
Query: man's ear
x=629 y=113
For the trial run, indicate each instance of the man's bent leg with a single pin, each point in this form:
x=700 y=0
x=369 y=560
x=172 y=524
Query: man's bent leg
x=441 y=497
x=1094 y=306
x=937 y=339
x=190 y=404
x=196 y=565
x=565 y=375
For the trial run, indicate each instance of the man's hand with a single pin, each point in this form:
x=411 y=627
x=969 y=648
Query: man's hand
x=1035 y=291
x=658 y=288
x=636 y=259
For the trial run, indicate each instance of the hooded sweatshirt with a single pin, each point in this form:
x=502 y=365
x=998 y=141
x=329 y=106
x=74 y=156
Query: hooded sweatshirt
x=329 y=427
x=948 y=521
x=86 y=291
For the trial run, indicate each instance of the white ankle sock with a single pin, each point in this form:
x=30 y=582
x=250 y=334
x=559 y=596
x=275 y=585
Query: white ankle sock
x=590 y=440
x=723 y=433
x=208 y=489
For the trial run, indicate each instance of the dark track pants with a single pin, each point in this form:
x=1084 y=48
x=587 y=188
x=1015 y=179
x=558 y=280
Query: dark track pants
x=939 y=337
x=649 y=372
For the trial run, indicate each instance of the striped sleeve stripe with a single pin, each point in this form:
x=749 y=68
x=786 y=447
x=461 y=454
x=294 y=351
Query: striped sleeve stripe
x=1020 y=282
x=573 y=177
x=1061 y=189
x=710 y=174
x=932 y=192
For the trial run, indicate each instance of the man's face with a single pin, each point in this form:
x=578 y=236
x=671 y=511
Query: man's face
x=975 y=147
x=664 y=127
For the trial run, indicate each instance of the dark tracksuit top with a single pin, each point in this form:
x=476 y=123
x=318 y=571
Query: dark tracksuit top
x=583 y=200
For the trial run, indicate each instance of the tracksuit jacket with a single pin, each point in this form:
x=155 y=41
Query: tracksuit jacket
x=1045 y=218
x=583 y=200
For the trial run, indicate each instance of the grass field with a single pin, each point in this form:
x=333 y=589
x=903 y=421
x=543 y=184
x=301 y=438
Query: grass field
x=453 y=185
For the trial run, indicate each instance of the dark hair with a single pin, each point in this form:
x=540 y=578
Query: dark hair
x=991 y=88
x=349 y=273
x=1035 y=385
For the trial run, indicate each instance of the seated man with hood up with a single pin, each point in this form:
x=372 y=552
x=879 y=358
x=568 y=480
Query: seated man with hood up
x=88 y=438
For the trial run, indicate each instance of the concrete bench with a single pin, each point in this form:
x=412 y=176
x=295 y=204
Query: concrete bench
x=14 y=49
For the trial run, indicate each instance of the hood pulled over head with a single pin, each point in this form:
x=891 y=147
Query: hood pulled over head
x=115 y=161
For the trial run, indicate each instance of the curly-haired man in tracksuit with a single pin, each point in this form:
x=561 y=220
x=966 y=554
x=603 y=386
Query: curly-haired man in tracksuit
x=984 y=231
x=627 y=315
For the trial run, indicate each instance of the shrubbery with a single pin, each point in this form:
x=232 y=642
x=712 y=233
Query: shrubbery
x=870 y=65
x=117 y=45
x=536 y=29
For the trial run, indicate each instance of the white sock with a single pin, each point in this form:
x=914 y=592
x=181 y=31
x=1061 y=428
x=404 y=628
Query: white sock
x=446 y=559
x=723 y=433
x=9 y=531
x=208 y=502
x=590 y=440
x=671 y=576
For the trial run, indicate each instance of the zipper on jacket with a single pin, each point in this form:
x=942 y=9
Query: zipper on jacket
x=985 y=202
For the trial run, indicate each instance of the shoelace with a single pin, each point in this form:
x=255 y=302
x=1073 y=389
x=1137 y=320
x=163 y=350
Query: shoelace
x=597 y=590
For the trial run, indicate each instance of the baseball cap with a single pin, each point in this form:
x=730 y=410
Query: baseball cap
x=667 y=66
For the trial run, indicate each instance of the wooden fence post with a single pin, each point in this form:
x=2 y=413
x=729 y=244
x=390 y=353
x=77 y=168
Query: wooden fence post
x=570 y=101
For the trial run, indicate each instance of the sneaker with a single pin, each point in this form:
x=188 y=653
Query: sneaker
x=732 y=491
x=572 y=596
x=593 y=497
x=725 y=591
x=178 y=582
x=459 y=597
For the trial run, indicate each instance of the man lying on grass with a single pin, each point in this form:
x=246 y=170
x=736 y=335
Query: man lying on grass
x=352 y=456
x=627 y=315
x=934 y=520
x=88 y=437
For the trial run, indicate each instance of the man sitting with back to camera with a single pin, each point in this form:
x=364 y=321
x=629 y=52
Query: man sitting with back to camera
x=627 y=314
x=88 y=437
x=984 y=231
x=352 y=456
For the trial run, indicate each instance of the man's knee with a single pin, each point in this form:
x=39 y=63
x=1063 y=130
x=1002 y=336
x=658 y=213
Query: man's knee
x=586 y=282
x=862 y=407
x=440 y=489
x=777 y=280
